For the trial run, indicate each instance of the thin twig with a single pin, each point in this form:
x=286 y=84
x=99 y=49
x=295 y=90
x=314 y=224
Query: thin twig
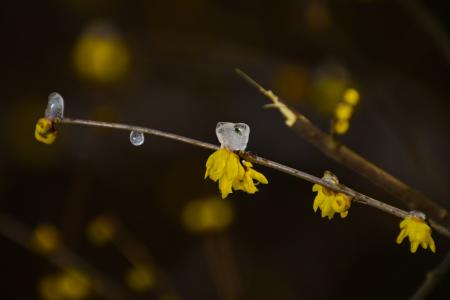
x=344 y=155
x=432 y=279
x=62 y=258
x=356 y=196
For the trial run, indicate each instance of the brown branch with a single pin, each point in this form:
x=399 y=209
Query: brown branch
x=347 y=157
x=356 y=196
x=432 y=279
x=62 y=258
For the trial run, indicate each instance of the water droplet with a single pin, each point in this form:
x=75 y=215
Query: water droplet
x=55 y=107
x=137 y=138
x=233 y=136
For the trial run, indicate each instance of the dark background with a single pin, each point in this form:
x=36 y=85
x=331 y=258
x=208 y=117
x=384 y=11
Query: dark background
x=181 y=79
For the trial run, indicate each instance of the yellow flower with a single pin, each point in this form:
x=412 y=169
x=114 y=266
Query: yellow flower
x=418 y=231
x=224 y=166
x=245 y=182
x=45 y=131
x=330 y=202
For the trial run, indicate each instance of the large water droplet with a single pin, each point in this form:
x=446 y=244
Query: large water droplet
x=55 y=107
x=233 y=136
x=137 y=138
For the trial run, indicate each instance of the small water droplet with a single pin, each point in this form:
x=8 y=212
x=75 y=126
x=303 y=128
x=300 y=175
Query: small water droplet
x=137 y=138
x=55 y=107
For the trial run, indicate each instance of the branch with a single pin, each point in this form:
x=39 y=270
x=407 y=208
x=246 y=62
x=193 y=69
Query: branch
x=62 y=258
x=356 y=196
x=339 y=152
x=432 y=279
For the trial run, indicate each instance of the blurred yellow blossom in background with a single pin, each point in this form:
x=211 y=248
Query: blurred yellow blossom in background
x=208 y=214
x=418 y=232
x=101 y=230
x=344 y=111
x=100 y=55
x=70 y=284
x=140 y=278
x=46 y=238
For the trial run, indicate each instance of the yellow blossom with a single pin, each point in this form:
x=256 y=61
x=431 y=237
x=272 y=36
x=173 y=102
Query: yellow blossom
x=245 y=182
x=351 y=96
x=418 y=231
x=224 y=166
x=329 y=201
x=343 y=111
x=341 y=126
x=45 y=131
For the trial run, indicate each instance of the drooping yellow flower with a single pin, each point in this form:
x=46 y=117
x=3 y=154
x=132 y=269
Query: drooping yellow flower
x=45 y=131
x=329 y=201
x=224 y=166
x=245 y=182
x=417 y=230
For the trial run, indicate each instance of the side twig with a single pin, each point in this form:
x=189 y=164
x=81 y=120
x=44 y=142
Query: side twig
x=339 y=152
x=432 y=279
x=62 y=258
x=356 y=196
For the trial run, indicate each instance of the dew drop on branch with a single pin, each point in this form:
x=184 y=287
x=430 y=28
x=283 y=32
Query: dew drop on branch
x=55 y=107
x=137 y=138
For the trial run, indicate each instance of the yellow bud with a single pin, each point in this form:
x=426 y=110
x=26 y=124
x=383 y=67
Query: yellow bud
x=46 y=239
x=140 y=278
x=102 y=230
x=351 y=97
x=45 y=131
x=343 y=111
x=208 y=214
x=341 y=126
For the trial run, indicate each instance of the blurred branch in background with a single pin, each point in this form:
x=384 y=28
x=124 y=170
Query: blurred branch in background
x=432 y=279
x=63 y=258
x=356 y=196
x=347 y=157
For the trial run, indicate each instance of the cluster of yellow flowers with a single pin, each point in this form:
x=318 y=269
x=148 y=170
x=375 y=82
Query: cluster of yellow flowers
x=418 y=231
x=414 y=226
x=224 y=166
x=344 y=110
